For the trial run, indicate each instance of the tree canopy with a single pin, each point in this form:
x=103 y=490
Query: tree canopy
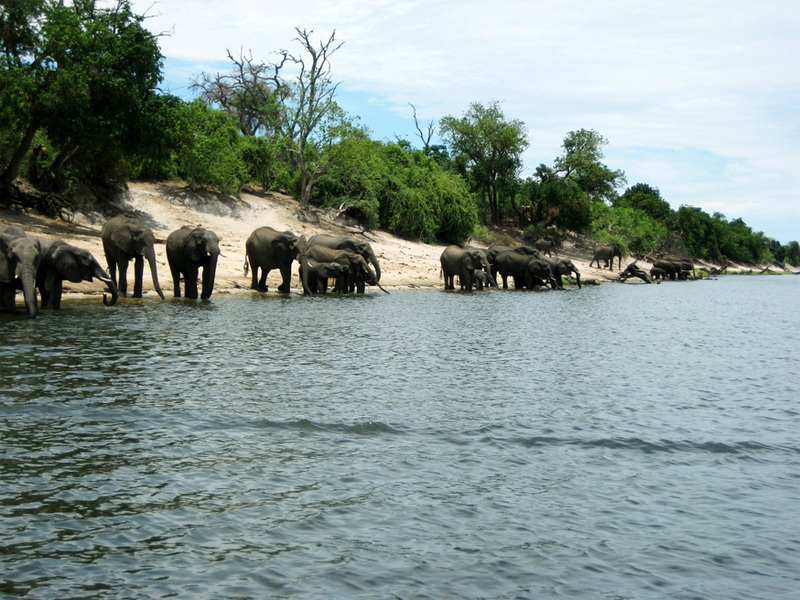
x=490 y=148
x=77 y=79
x=80 y=110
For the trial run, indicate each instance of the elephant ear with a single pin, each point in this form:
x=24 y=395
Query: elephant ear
x=65 y=260
x=195 y=245
x=6 y=272
x=122 y=237
x=301 y=245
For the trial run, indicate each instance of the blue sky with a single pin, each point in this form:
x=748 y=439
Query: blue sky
x=699 y=99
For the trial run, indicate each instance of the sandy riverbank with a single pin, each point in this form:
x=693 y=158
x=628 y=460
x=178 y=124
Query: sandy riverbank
x=166 y=207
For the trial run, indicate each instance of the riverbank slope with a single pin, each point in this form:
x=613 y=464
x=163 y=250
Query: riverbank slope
x=168 y=206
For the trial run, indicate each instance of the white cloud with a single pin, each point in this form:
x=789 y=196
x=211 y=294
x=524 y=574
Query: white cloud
x=667 y=83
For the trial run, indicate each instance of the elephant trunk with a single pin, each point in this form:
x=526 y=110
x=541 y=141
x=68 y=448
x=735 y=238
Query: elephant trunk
x=303 y=260
x=28 y=282
x=373 y=260
x=112 y=287
x=151 y=260
x=578 y=279
x=209 y=273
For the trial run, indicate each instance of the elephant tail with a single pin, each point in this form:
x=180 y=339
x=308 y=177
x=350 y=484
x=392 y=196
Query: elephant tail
x=246 y=266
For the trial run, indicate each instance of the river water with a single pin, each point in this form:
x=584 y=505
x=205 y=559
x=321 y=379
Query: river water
x=619 y=441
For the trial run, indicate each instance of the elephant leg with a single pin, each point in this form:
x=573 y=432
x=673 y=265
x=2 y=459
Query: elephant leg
x=55 y=296
x=190 y=282
x=176 y=280
x=254 y=277
x=138 y=276
x=8 y=295
x=112 y=270
x=286 y=276
x=122 y=282
x=262 y=282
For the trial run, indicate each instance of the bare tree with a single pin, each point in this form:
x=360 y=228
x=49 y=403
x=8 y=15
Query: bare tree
x=315 y=122
x=430 y=130
x=253 y=92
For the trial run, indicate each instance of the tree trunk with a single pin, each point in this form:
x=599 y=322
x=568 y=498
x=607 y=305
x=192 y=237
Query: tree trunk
x=12 y=170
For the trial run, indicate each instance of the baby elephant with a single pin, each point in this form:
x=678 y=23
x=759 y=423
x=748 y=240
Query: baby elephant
x=320 y=272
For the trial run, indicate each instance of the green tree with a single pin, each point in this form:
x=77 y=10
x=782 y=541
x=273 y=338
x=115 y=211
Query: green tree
x=565 y=194
x=491 y=146
x=647 y=199
x=581 y=162
x=82 y=75
x=400 y=189
x=209 y=153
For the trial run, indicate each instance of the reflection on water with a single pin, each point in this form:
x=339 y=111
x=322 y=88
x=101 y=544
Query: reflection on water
x=625 y=440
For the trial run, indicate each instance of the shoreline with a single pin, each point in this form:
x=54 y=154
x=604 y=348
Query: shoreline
x=165 y=207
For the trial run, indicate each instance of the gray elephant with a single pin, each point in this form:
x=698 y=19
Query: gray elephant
x=189 y=249
x=634 y=270
x=546 y=246
x=61 y=261
x=351 y=244
x=658 y=274
x=482 y=280
x=527 y=271
x=606 y=254
x=318 y=274
x=464 y=262
x=676 y=268
x=496 y=249
x=563 y=267
x=124 y=239
x=20 y=257
x=357 y=272
x=268 y=249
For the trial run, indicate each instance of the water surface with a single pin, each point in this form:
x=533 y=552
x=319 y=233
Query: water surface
x=617 y=441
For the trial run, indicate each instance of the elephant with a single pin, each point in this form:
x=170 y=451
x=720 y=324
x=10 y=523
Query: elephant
x=20 y=257
x=546 y=246
x=658 y=274
x=124 y=239
x=562 y=267
x=268 y=249
x=675 y=268
x=496 y=249
x=607 y=254
x=318 y=274
x=634 y=270
x=188 y=249
x=527 y=271
x=61 y=261
x=357 y=272
x=352 y=244
x=464 y=262
x=482 y=280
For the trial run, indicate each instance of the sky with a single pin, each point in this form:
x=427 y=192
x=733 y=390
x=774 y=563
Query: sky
x=700 y=99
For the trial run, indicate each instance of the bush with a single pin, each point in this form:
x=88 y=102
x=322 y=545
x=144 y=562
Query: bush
x=210 y=148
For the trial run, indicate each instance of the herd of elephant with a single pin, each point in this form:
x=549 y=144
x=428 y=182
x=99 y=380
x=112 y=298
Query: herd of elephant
x=662 y=269
x=528 y=266
x=29 y=263
x=533 y=266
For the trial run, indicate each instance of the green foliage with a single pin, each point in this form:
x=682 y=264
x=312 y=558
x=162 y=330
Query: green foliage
x=647 y=199
x=81 y=74
x=629 y=227
x=714 y=237
x=402 y=190
x=491 y=147
x=209 y=151
x=581 y=162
